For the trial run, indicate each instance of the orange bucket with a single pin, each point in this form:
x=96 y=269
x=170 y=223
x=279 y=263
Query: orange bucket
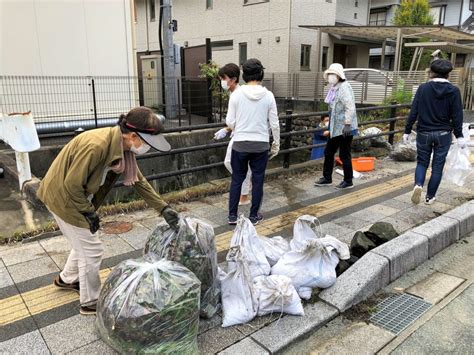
x=361 y=164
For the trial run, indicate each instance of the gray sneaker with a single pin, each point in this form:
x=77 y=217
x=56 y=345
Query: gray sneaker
x=416 y=196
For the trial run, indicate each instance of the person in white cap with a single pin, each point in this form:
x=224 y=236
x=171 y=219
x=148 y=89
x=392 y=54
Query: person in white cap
x=342 y=126
x=78 y=181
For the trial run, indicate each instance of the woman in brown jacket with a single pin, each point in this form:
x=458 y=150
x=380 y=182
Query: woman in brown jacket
x=78 y=181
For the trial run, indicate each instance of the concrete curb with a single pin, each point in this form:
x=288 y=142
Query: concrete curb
x=401 y=255
x=372 y=272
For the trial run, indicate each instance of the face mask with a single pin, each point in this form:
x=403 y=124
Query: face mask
x=333 y=79
x=224 y=84
x=140 y=150
x=325 y=124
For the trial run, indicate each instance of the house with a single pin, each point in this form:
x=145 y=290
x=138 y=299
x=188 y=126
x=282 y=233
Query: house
x=52 y=51
x=452 y=13
x=265 y=29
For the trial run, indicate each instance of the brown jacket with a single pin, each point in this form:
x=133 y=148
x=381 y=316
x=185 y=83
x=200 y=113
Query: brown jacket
x=78 y=171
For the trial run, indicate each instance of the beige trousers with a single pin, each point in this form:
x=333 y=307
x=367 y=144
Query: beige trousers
x=83 y=263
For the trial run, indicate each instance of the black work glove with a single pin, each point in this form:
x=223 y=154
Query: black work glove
x=94 y=221
x=347 y=131
x=171 y=217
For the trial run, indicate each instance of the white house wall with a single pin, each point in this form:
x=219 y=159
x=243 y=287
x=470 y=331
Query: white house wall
x=346 y=10
x=227 y=20
x=74 y=37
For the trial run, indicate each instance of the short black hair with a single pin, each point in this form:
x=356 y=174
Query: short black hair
x=231 y=70
x=253 y=70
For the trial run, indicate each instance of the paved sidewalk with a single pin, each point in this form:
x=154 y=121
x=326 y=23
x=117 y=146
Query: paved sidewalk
x=446 y=281
x=37 y=318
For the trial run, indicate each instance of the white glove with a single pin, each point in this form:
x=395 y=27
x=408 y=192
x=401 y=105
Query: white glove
x=406 y=137
x=274 y=150
x=462 y=142
x=221 y=134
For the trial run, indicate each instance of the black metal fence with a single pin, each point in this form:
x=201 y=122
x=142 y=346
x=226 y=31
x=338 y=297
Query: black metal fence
x=65 y=103
x=287 y=132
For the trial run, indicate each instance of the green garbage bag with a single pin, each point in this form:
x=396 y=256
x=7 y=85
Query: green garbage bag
x=150 y=305
x=192 y=245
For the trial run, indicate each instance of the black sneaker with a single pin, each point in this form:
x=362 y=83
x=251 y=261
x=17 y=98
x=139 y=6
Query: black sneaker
x=322 y=182
x=345 y=185
x=256 y=220
x=232 y=220
x=88 y=310
x=59 y=283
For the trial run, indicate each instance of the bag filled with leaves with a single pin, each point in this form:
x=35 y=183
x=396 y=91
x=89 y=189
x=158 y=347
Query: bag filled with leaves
x=150 y=305
x=193 y=246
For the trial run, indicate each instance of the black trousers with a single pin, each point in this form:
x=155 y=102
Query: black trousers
x=344 y=145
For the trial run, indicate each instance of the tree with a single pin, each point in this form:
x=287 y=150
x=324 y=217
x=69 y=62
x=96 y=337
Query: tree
x=413 y=13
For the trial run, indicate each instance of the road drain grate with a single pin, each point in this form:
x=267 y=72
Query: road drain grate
x=397 y=312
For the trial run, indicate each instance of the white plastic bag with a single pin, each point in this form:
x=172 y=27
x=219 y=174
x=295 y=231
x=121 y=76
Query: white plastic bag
x=239 y=300
x=276 y=294
x=274 y=248
x=314 y=265
x=245 y=236
x=306 y=228
x=458 y=166
x=405 y=151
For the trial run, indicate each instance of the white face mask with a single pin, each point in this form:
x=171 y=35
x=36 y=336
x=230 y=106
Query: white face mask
x=224 y=84
x=140 y=150
x=325 y=124
x=333 y=79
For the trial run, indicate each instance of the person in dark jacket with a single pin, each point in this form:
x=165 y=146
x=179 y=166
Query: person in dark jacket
x=438 y=109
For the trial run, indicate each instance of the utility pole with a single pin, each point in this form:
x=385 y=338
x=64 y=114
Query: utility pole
x=169 y=60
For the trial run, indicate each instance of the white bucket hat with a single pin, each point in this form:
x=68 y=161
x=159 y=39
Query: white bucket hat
x=335 y=68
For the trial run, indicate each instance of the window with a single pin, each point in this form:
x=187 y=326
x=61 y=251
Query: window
x=355 y=15
x=356 y=4
x=209 y=4
x=378 y=18
x=329 y=1
x=324 y=62
x=242 y=53
x=152 y=10
x=222 y=45
x=252 y=2
x=305 y=55
x=438 y=13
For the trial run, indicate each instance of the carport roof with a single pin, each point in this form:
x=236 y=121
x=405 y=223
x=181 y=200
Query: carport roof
x=437 y=33
x=444 y=46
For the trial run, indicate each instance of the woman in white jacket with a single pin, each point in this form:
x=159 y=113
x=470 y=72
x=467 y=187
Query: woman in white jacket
x=252 y=113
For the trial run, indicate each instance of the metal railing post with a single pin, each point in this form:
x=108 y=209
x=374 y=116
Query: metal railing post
x=393 y=114
x=94 y=101
x=179 y=103
x=287 y=145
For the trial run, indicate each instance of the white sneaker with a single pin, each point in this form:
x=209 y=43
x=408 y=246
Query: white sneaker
x=416 y=196
x=430 y=201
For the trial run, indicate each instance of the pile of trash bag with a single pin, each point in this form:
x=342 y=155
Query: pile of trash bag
x=405 y=151
x=360 y=145
x=379 y=141
x=270 y=275
x=193 y=246
x=150 y=305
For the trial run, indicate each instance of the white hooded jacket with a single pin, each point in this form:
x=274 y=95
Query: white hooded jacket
x=252 y=113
